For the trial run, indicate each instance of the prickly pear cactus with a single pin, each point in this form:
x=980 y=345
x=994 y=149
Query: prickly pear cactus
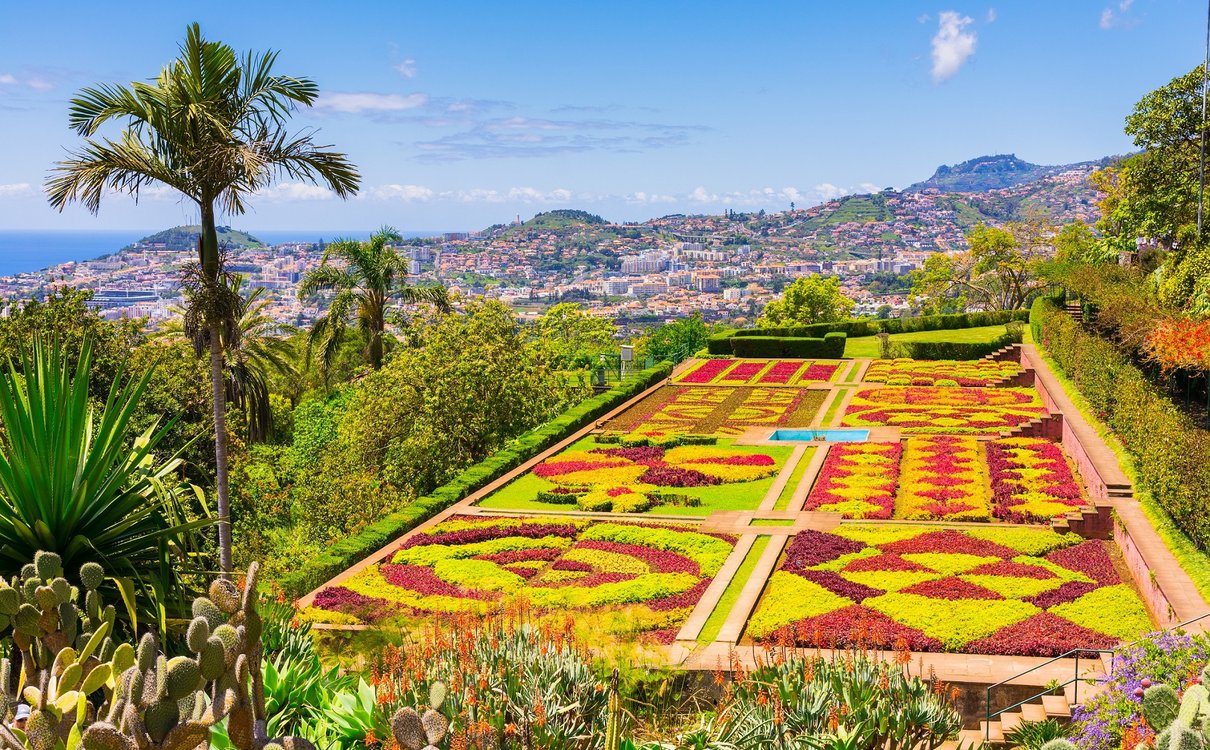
x=65 y=654
x=416 y=731
x=1180 y=723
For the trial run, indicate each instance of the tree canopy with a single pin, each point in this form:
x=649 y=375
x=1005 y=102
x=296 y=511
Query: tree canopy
x=810 y=299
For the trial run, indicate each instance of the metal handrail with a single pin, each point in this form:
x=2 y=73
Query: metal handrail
x=989 y=715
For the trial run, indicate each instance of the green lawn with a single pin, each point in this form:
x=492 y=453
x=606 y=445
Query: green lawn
x=787 y=492
x=730 y=596
x=867 y=346
x=521 y=494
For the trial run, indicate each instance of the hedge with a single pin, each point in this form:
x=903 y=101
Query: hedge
x=831 y=346
x=954 y=350
x=858 y=327
x=344 y=553
x=1171 y=455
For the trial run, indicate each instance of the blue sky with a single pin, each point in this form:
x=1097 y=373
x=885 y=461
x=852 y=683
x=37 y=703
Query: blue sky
x=464 y=114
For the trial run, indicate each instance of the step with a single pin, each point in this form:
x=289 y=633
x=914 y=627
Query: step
x=1033 y=712
x=1009 y=720
x=1056 y=706
x=990 y=731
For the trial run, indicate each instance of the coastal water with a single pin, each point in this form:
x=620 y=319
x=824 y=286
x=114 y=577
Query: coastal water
x=32 y=250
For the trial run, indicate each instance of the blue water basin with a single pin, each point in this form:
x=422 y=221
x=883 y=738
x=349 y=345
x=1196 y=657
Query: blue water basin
x=812 y=436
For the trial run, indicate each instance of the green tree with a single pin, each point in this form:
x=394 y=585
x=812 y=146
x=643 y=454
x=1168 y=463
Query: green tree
x=79 y=481
x=677 y=340
x=370 y=278
x=810 y=299
x=998 y=272
x=1077 y=243
x=568 y=336
x=214 y=128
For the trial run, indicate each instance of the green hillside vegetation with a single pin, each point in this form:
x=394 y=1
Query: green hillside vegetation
x=561 y=218
x=185 y=238
x=856 y=208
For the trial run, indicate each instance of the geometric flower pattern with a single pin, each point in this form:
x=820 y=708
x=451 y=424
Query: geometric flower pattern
x=933 y=410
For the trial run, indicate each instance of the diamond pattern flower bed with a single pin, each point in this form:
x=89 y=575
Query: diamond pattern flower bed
x=682 y=410
x=950 y=373
x=858 y=480
x=758 y=372
x=932 y=410
x=656 y=572
x=943 y=478
x=1014 y=591
x=1031 y=480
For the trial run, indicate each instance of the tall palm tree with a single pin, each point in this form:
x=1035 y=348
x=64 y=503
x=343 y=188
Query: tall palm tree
x=212 y=126
x=259 y=349
x=371 y=276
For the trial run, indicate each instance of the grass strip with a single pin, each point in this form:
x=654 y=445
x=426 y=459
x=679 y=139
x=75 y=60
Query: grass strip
x=851 y=375
x=1193 y=560
x=787 y=492
x=714 y=623
x=837 y=397
x=772 y=522
x=868 y=346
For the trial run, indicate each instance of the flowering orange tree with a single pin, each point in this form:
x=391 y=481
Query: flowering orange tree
x=1180 y=343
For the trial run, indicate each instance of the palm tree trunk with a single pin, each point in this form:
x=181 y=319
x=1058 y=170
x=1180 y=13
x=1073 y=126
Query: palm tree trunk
x=220 y=450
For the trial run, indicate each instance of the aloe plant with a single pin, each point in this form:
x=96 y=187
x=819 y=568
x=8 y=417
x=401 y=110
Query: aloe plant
x=80 y=481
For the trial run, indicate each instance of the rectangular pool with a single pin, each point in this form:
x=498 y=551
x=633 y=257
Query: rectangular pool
x=830 y=436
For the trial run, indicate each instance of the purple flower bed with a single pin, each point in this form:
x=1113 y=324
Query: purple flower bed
x=641 y=454
x=660 y=561
x=811 y=548
x=545 y=554
x=589 y=581
x=424 y=581
x=1090 y=558
x=854 y=626
x=672 y=476
x=680 y=601
x=1068 y=592
x=1043 y=634
x=340 y=599
x=839 y=585
x=485 y=533
x=572 y=565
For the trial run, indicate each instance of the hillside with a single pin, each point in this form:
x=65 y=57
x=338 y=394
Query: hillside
x=185 y=238
x=996 y=172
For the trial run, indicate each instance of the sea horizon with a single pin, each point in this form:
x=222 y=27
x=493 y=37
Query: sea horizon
x=32 y=250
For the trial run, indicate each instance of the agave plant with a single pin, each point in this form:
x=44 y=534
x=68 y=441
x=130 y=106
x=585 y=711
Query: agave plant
x=79 y=481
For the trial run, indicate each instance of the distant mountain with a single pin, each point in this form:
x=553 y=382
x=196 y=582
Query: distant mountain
x=984 y=173
x=185 y=238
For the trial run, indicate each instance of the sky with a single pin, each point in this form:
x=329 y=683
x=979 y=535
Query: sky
x=464 y=114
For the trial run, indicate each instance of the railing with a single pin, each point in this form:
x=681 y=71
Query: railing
x=1076 y=679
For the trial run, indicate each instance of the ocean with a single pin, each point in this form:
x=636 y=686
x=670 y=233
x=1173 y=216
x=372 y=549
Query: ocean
x=32 y=250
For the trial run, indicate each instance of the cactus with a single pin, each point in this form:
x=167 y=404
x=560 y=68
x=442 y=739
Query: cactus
x=1160 y=706
x=415 y=731
x=1059 y=744
x=140 y=699
x=613 y=724
x=1181 y=723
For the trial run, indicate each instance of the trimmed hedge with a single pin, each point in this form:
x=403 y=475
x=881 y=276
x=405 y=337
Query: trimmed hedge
x=831 y=346
x=1171 y=455
x=954 y=350
x=346 y=552
x=858 y=327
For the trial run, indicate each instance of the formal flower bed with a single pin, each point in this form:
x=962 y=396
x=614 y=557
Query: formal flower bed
x=858 y=480
x=758 y=372
x=948 y=373
x=1031 y=480
x=939 y=410
x=711 y=410
x=1015 y=591
x=943 y=478
x=478 y=563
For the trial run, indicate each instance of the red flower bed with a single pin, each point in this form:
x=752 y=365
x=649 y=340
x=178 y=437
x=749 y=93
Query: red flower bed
x=340 y=599
x=680 y=601
x=887 y=561
x=555 y=468
x=660 y=561
x=780 y=373
x=423 y=580
x=1012 y=570
x=755 y=459
x=674 y=476
x=484 y=533
x=589 y=581
x=743 y=372
x=640 y=454
x=812 y=547
x=820 y=373
x=949 y=541
x=1090 y=558
x=1043 y=634
x=708 y=371
x=522 y=555
x=572 y=565
x=839 y=585
x=1010 y=492
x=523 y=572
x=1068 y=592
x=951 y=588
x=854 y=626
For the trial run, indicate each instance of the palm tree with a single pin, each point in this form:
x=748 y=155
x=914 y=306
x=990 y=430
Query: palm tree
x=258 y=350
x=372 y=277
x=214 y=128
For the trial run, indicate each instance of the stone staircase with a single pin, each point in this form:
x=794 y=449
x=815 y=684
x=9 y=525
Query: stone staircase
x=1075 y=310
x=1093 y=521
x=1010 y=352
x=1048 y=426
x=992 y=733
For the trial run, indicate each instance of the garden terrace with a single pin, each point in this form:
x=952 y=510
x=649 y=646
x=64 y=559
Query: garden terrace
x=714 y=410
x=765 y=372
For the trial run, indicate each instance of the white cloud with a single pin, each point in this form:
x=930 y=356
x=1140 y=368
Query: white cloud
x=16 y=190
x=645 y=197
x=39 y=84
x=701 y=195
x=295 y=191
x=991 y=15
x=355 y=102
x=407 y=68
x=401 y=192
x=869 y=187
x=1111 y=18
x=827 y=191
x=7 y=79
x=952 y=45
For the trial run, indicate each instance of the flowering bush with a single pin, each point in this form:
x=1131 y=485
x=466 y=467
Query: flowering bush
x=924 y=410
x=947 y=589
x=944 y=373
x=459 y=567
x=1031 y=480
x=707 y=372
x=942 y=478
x=758 y=372
x=857 y=480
